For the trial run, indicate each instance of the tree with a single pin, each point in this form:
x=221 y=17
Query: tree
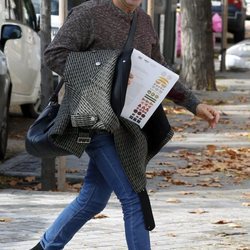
x=48 y=165
x=197 y=44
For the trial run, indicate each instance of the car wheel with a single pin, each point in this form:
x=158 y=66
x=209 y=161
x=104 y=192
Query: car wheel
x=4 y=125
x=31 y=110
x=239 y=36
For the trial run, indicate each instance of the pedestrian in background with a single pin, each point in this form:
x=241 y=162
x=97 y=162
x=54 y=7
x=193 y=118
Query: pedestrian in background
x=104 y=24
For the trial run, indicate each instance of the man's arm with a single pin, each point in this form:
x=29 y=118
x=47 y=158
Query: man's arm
x=75 y=35
x=183 y=96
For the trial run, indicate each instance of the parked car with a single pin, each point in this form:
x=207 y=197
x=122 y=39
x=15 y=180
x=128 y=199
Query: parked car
x=238 y=56
x=248 y=9
x=7 y=32
x=23 y=55
x=236 y=17
x=55 y=19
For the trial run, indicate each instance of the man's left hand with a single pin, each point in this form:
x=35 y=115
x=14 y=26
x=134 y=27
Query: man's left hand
x=208 y=113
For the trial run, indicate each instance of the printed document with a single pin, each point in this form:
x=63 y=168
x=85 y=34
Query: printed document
x=148 y=86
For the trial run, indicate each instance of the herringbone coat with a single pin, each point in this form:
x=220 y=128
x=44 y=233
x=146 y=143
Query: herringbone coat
x=86 y=104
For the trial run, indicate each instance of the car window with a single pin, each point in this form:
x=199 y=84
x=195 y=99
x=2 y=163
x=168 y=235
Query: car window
x=13 y=10
x=36 y=4
x=29 y=14
x=54 y=6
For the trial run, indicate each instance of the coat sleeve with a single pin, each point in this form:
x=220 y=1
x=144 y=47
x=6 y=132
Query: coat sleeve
x=76 y=34
x=179 y=94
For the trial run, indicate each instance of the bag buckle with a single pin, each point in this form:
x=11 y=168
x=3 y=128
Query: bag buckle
x=83 y=140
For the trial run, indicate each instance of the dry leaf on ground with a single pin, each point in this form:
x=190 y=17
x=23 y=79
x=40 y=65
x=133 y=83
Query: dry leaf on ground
x=186 y=193
x=100 y=216
x=198 y=211
x=246 y=204
x=222 y=222
x=173 y=200
x=5 y=219
x=171 y=234
x=234 y=225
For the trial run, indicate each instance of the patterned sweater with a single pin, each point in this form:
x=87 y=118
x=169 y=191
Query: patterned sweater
x=99 y=24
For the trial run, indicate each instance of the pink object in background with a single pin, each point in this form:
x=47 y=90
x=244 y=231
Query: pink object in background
x=217 y=23
x=216 y=27
x=178 y=34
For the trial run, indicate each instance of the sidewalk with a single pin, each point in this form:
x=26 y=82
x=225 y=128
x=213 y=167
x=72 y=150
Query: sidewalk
x=189 y=213
x=195 y=220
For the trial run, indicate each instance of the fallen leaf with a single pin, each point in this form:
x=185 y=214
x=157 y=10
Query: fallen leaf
x=30 y=178
x=206 y=171
x=5 y=219
x=246 y=195
x=246 y=204
x=231 y=234
x=163 y=185
x=190 y=174
x=171 y=234
x=186 y=193
x=234 y=225
x=211 y=149
x=198 y=211
x=13 y=182
x=170 y=164
x=149 y=176
x=222 y=222
x=179 y=182
x=100 y=216
x=173 y=200
x=77 y=185
x=151 y=191
x=72 y=170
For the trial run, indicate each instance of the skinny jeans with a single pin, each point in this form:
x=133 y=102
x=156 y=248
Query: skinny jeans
x=104 y=175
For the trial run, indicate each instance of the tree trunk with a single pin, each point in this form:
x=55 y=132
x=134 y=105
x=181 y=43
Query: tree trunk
x=197 y=44
x=48 y=179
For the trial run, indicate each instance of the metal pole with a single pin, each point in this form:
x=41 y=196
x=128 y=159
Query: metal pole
x=61 y=161
x=224 y=35
x=169 y=31
x=151 y=9
x=48 y=180
x=63 y=10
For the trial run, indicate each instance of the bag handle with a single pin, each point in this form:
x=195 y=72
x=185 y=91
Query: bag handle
x=54 y=97
x=131 y=33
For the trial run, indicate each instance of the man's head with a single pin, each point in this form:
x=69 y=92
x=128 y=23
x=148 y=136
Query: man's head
x=127 y=5
x=134 y=3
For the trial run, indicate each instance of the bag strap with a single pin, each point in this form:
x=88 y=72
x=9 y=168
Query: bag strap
x=131 y=33
x=54 y=97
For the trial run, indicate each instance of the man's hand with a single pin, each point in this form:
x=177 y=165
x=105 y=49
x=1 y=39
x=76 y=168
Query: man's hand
x=208 y=113
x=130 y=79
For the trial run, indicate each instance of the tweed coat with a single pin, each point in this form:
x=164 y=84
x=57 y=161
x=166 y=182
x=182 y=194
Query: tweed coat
x=86 y=105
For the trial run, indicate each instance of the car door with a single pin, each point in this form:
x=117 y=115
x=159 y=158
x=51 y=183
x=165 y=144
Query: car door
x=23 y=55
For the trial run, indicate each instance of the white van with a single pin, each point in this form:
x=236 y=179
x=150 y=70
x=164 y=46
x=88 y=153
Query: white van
x=23 y=54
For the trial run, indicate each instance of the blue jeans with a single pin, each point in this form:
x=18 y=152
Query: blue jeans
x=104 y=175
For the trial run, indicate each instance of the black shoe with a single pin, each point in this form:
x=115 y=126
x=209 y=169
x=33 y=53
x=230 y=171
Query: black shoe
x=37 y=247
